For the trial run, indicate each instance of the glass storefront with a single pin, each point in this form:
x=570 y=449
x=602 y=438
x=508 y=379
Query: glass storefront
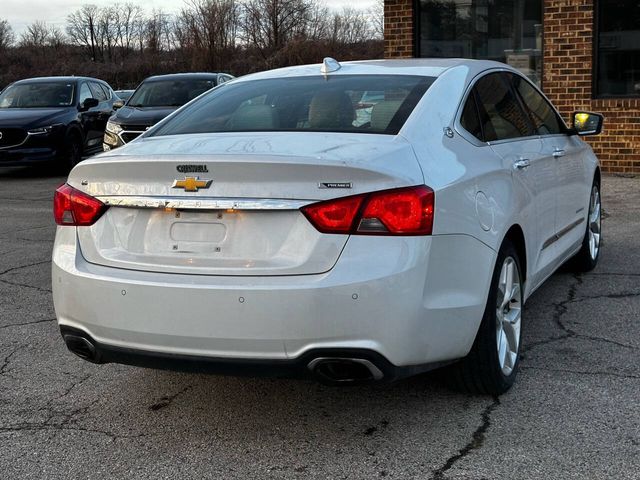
x=509 y=31
x=618 y=48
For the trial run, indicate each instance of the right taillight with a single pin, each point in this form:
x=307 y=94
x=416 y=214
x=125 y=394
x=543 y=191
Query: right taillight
x=71 y=207
x=401 y=211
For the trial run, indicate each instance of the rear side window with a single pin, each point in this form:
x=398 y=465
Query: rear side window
x=98 y=92
x=470 y=120
x=501 y=114
x=339 y=103
x=544 y=118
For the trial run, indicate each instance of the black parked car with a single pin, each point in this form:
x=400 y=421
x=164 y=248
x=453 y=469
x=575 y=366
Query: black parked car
x=53 y=120
x=155 y=98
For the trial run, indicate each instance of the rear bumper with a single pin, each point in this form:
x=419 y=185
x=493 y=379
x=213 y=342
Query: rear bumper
x=300 y=367
x=407 y=299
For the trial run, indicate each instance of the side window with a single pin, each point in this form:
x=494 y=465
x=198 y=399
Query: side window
x=85 y=93
x=98 y=92
x=544 y=118
x=470 y=120
x=501 y=115
x=107 y=90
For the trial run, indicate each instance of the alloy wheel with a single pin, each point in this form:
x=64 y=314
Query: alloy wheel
x=595 y=222
x=508 y=315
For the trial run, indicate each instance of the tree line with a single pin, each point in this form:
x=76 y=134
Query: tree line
x=122 y=43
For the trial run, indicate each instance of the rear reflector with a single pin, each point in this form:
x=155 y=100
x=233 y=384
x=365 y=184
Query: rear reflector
x=72 y=207
x=402 y=211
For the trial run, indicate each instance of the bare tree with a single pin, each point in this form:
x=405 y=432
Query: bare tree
x=270 y=24
x=81 y=27
x=128 y=20
x=6 y=35
x=350 y=26
x=209 y=26
x=318 y=27
x=376 y=19
x=157 y=33
x=36 y=35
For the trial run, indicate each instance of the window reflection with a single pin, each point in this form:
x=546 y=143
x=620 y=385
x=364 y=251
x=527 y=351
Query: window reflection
x=618 y=48
x=508 y=31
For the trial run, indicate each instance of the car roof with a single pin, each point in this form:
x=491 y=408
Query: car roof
x=182 y=76
x=59 y=79
x=429 y=67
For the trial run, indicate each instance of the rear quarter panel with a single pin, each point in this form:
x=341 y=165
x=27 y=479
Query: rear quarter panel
x=474 y=187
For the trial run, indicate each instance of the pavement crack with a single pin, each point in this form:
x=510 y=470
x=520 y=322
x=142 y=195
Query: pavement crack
x=19 y=267
x=46 y=320
x=25 y=285
x=561 y=308
x=167 y=400
x=7 y=359
x=477 y=440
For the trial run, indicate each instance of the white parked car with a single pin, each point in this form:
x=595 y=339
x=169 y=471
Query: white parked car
x=266 y=228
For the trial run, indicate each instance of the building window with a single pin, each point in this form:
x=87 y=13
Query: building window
x=618 y=48
x=509 y=31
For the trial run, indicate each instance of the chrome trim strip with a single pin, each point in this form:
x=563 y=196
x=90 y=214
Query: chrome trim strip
x=22 y=143
x=561 y=233
x=203 y=203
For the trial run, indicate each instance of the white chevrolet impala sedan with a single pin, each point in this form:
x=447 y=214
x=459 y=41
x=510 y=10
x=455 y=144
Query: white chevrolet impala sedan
x=355 y=222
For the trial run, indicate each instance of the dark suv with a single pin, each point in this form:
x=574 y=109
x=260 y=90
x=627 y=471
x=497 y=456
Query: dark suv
x=155 y=98
x=53 y=120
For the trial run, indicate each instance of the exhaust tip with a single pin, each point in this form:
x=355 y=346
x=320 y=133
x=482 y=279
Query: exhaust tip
x=82 y=347
x=345 y=371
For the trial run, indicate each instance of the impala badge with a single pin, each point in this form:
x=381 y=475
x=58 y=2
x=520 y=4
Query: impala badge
x=191 y=184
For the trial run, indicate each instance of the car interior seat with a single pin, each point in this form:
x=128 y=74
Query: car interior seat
x=331 y=110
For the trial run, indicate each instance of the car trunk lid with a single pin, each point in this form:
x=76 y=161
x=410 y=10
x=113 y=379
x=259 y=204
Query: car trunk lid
x=242 y=216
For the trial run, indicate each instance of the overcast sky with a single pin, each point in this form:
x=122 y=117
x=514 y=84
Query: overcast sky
x=21 y=13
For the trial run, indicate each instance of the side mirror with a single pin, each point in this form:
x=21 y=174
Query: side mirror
x=587 y=123
x=118 y=104
x=89 y=103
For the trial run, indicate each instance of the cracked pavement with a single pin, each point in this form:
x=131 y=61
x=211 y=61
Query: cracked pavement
x=574 y=412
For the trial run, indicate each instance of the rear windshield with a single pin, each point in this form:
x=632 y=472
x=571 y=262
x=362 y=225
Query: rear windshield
x=37 y=95
x=169 y=93
x=341 y=103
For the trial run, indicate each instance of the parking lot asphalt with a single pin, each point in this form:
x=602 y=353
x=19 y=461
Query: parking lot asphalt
x=574 y=412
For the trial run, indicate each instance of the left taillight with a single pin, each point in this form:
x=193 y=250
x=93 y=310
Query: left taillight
x=401 y=211
x=71 y=207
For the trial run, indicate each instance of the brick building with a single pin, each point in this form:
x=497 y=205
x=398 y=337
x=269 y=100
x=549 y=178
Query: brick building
x=585 y=54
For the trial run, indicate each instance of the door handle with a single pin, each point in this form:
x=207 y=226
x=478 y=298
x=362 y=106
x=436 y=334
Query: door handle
x=558 y=152
x=522 y=164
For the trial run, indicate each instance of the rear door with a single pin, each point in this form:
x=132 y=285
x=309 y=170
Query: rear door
x=90 y=118
x=511 y=135
x=565 y=153
x=104 y=110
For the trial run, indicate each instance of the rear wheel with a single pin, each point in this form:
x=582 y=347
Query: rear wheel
x=587 y=258
x=492 y=364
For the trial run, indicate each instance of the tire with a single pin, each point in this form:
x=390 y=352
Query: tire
x=587 y=258
x=72 y=150
x=492 y=364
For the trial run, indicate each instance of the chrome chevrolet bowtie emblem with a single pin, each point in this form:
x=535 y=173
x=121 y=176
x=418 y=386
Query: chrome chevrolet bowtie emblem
x=191 y=184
